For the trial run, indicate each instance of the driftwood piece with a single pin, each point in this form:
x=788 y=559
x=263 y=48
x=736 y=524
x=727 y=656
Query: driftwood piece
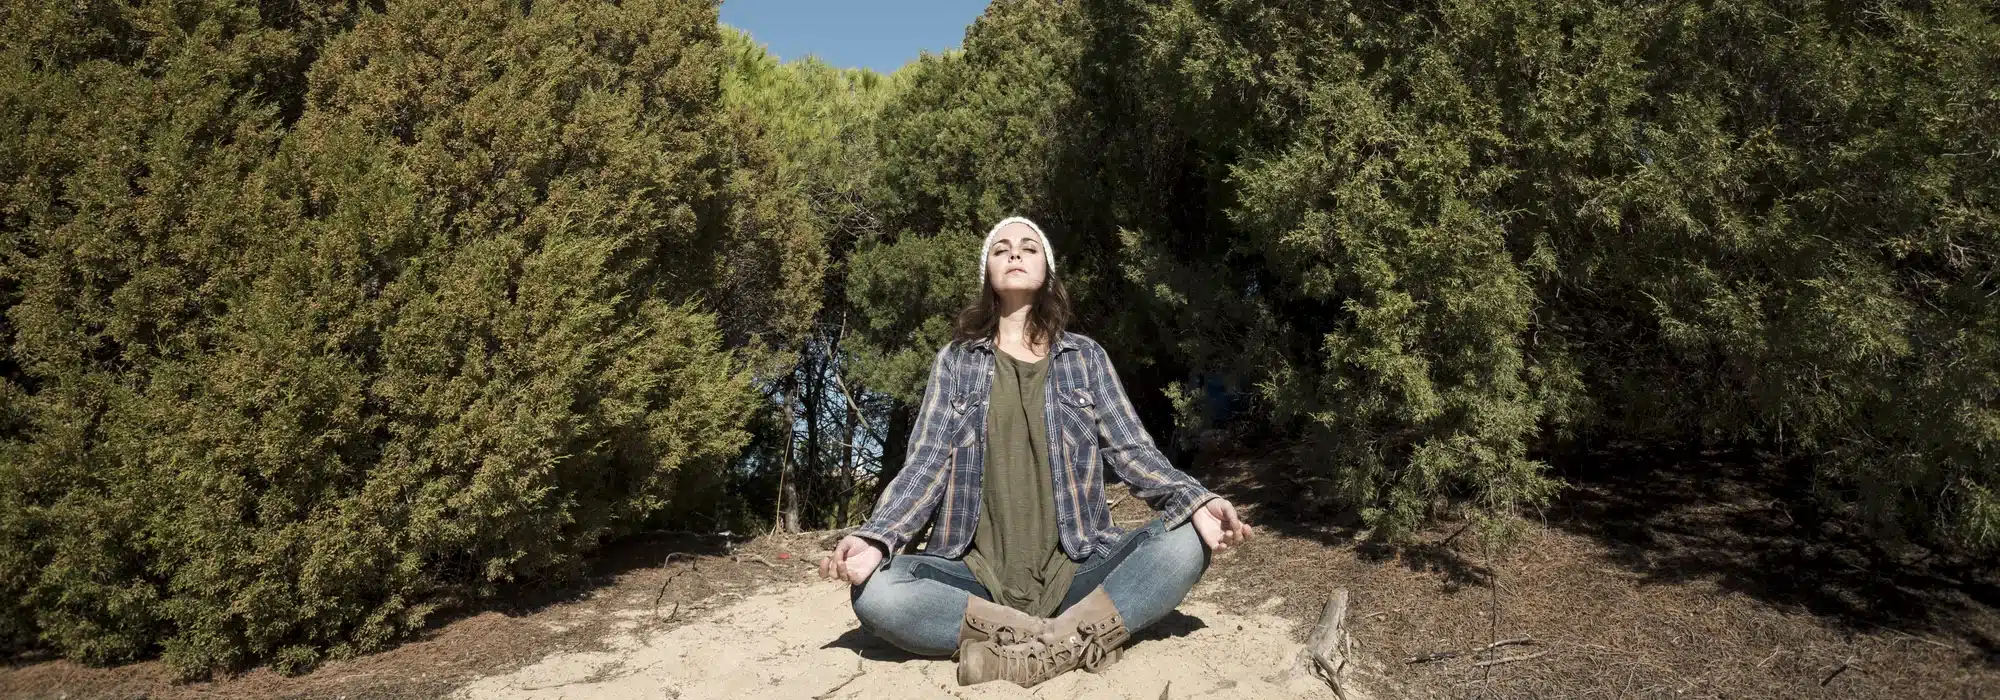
x=1325 y=655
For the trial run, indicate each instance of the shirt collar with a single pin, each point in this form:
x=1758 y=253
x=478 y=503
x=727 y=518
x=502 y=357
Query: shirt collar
x=1063 y=342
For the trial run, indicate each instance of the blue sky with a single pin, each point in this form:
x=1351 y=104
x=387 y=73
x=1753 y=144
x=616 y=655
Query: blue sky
x=877 y=34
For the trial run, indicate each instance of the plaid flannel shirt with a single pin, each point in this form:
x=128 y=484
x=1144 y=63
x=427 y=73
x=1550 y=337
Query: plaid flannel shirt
x=1091 y=423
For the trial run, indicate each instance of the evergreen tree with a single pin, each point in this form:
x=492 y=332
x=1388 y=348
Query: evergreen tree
x=319 y=323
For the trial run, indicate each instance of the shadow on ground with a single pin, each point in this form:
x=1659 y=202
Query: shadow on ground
x=1747 y=519
x=1673 y=513
x=873 y=648
x=640 y=551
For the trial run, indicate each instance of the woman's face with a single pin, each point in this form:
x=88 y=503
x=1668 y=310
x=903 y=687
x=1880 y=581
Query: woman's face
x=1014 y=263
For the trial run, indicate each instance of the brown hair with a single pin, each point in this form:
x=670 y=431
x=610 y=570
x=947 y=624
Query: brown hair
x=1047 y=318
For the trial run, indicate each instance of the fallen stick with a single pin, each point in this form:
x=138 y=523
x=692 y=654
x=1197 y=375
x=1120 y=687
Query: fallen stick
x=1436 y=656
x=1511 y=659
x=1325 y=654
x=1844 y=665
x=1506 y=642
x=670 y=579
x=759 y=558
x=1446 y=542
x=859 y=670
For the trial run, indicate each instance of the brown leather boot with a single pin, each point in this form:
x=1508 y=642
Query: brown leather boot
x=986 y=620
x=1089 y=635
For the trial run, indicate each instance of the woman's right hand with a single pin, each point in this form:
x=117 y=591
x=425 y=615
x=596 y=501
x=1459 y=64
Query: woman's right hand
x=853 y=560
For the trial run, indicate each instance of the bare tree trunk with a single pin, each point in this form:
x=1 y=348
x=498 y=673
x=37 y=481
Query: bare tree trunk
x=811 y=465
x=895 y=450
x=846 y=489
x=787 y=515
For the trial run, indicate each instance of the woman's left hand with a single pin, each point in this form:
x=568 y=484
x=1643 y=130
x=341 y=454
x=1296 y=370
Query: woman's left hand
x=1218 y=525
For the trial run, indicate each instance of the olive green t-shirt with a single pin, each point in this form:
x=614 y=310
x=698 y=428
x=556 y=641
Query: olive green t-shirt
x=1016 y=553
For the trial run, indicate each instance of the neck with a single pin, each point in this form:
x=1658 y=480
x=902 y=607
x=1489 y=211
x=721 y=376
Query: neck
x=1013 y=326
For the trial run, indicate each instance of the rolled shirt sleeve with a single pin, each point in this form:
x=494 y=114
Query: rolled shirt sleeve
x=906 y=504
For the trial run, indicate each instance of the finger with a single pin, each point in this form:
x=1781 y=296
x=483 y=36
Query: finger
x=1236 y=525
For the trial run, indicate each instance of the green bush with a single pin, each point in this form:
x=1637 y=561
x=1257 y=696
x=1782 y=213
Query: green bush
x=1447 y=237
x=319 y=320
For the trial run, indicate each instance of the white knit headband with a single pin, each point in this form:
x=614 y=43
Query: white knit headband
x=1048 y=252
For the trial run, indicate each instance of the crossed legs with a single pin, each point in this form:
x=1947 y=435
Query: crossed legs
x=918 y=601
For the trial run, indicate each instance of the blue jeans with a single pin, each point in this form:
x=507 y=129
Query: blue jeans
x=916 y=601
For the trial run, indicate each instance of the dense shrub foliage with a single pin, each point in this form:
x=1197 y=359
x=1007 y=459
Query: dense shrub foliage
x=320 y=318
x=1443 y=238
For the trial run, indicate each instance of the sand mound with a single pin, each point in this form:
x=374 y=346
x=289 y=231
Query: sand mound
x=802 y=641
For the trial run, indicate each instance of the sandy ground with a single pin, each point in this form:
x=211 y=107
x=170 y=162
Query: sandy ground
x=1677 y=582
x=802 y=641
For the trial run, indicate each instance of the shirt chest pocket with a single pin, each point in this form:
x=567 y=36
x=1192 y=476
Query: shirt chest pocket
x=960 y=424
x=1077 y=416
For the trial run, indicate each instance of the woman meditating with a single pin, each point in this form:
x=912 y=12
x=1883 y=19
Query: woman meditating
x=1024 y=576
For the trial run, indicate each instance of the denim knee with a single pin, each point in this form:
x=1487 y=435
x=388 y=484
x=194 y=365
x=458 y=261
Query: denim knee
x=1157 y=576
x=1186 y=558
x=896 y=609
x=874 y=604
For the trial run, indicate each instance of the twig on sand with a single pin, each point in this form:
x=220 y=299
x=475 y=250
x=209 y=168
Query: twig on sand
x=1115 y=501
x=759 y=558
x=1506 y=642
x=670 y=579
x=859 y=670
x=1844 y=665
x=1510 y=659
